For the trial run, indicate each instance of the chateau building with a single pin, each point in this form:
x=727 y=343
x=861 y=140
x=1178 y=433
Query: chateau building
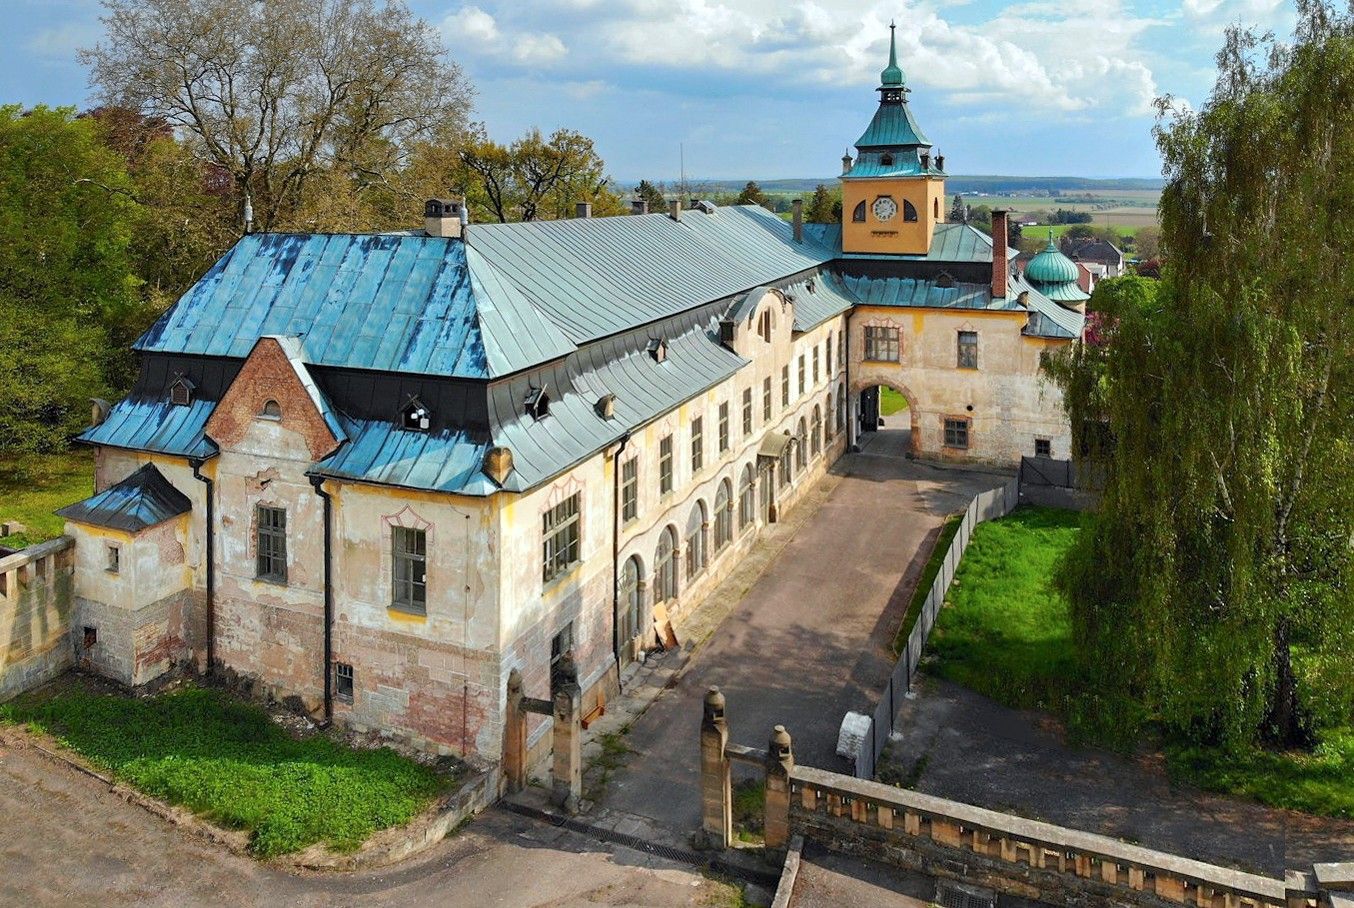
x=380 y=472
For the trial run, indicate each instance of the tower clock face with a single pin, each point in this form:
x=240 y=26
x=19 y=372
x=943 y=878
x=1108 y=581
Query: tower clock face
x=884 y=208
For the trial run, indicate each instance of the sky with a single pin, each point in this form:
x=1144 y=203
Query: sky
x=772 y=89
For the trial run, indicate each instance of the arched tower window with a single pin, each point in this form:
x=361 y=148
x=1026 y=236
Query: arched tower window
x=909 y=211
x=858 y=215
x=935 y=209
x=271 y=410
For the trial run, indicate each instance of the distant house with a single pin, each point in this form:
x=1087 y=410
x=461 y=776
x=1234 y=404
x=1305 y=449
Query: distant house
x=1097 y=251
x=1089 y=274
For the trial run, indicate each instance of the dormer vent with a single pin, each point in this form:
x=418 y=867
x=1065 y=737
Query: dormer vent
x=415 y=417
x=537 y=403
x=658 y=349
x=498 y=464
x=181 y=391
x=606 y=406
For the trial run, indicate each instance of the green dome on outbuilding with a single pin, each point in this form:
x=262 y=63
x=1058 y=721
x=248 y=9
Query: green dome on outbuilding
x=1055 y=275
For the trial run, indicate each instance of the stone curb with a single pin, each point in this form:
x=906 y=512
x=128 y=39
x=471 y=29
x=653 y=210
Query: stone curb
x=789 y=874
x=384 y=848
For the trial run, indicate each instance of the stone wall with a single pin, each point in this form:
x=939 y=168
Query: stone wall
x=35 y=615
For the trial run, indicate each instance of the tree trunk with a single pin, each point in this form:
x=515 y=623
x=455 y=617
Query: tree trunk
x=1285 y=726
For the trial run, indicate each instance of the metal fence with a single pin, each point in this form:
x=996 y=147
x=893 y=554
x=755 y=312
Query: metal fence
x=987 y=506
x=1062 y=474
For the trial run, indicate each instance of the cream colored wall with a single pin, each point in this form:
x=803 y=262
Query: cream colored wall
x=1012 y=402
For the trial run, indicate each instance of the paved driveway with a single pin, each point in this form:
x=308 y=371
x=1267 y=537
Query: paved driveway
x=810 y=640
x=65 y=839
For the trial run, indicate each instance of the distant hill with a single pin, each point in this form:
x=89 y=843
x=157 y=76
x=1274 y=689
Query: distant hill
x=991 y=185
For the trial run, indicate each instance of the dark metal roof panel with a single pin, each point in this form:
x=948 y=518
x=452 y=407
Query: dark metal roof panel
x=143 y=499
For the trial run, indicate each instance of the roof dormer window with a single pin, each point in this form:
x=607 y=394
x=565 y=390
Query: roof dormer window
x=658 y=349
x=415 y=417
x=886 y=160
x=537 y=403
x=181 y=392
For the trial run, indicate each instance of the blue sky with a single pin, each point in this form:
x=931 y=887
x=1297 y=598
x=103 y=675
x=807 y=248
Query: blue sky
x=779 y=88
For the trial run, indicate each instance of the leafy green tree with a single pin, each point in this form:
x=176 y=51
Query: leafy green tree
x=67 y=212
x=536 y=178
x=752 y=195
x=821 y=209
x=958 y=210
x=1214 y=590
x=653 y=194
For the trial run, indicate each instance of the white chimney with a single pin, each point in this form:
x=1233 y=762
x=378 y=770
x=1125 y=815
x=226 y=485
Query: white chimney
x=675 y=209
x=583 y=210
x=444 y=217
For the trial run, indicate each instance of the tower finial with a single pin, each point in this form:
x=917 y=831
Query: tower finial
x=892 y=74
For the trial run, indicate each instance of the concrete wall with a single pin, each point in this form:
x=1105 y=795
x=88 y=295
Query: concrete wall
x=1007 y=400
x=35 y=613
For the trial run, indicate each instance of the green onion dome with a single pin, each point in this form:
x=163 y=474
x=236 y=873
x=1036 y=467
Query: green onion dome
x=1051 y=267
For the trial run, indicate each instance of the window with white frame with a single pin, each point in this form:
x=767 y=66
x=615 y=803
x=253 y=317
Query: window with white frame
x=827 y=349
x=665 y=465
x=802 y=385
x=559 y=538
x=881 y=343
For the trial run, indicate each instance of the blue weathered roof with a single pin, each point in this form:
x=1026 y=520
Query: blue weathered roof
x=385 y=302
x=142 y=500
x=380 y=451
x=154 y=424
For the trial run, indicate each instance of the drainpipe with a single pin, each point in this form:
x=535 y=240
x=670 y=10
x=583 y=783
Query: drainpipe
x=849 y=415
x=196 y=464
x=616 y=554
x=317 y=482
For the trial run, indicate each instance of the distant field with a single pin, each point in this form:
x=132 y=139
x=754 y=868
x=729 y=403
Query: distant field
x=1123 y=209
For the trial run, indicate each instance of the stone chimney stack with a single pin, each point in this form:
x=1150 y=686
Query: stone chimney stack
x=1000 y=266
x=444 y=217
x=639 y=206
x=846 y=162
x=799 y=219
x=675 y=209
x=583 y=210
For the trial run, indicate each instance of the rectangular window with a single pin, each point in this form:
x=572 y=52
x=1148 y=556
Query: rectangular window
x=803 y=386
x=114 y=559
x=697 y=444
x=1043 y=447
x=968 y=349
x=272 y=544
x=827 y=348
x=881 y=344
x=841 y=347
x=343 y=682
x=815 y=364
x=559 y=538
x=665 y=465
x=956 y=433
x=785 y=385
x=747 y=411
x=409 y=554
x=561 y=645
x=630 y=489
x=724 y=427
x=766 y=399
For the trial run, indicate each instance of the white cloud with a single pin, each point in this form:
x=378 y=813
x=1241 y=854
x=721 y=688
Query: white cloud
x=539 y=49
x=473 y=31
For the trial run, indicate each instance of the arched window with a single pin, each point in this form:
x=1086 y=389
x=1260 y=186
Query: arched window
x=816 y=443
x=827 y=425
x=785 y=466
x=695 y=541
x=665 y=566
x=627 y=607
x=935 y=208
x=747 y=499
x=723 y=515
x=801 y=445
x=909 y=211
x=271 y=410
x=858 y=215
x=841 y=407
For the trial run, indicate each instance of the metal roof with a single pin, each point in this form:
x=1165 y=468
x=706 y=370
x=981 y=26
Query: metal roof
x=1050 y=266
x=383 y=452
x=156 y=425
x=386 y=302
x=922 y=293
x=950 y=242
x=817 y=298
x=1047 y=318
x=143 y=499
x=291 y=348
x=904 y=163
x=892 y=125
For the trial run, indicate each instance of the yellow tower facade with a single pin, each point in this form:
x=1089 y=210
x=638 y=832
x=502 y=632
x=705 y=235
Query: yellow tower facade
x=893 y=192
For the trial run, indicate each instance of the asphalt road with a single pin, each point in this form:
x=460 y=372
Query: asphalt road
x=809 y=641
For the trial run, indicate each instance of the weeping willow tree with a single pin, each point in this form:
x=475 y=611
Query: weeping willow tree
x=1214 y=589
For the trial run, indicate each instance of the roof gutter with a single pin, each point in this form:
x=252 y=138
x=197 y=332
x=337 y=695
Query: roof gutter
x=317 y=482
x=210 y=541
x=616 y=555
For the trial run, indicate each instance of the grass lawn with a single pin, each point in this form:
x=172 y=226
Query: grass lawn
x=1006 y=634
x=32 y=486
x=227 y=761
x=891 y=402
x=948 y=529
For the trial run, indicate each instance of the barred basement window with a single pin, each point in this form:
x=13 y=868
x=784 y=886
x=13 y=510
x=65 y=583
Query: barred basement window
x=630 y=489
x=956 y=433
x=747 y=411
x=271 y=544
x=723 y=427
x=968 y=350
x=409 y=556
x=697 y=444
x=665 y=465
x=766 y=399
x=559 y=538
x=343 y=682
x=881 y=344
x=1043 y=447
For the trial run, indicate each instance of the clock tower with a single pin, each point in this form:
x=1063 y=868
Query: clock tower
x=893 y=193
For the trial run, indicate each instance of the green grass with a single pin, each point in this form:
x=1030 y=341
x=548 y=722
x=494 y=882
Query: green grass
x=32 y=486
x=948 y=529
x=1006 y=633
x=891 y=402
x=749 y=811
x=225 y=760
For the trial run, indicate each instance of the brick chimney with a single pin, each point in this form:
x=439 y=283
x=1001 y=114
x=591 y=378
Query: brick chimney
x=799 y=220
x=583 y=210
x=1000 y=266
x=639 y=206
